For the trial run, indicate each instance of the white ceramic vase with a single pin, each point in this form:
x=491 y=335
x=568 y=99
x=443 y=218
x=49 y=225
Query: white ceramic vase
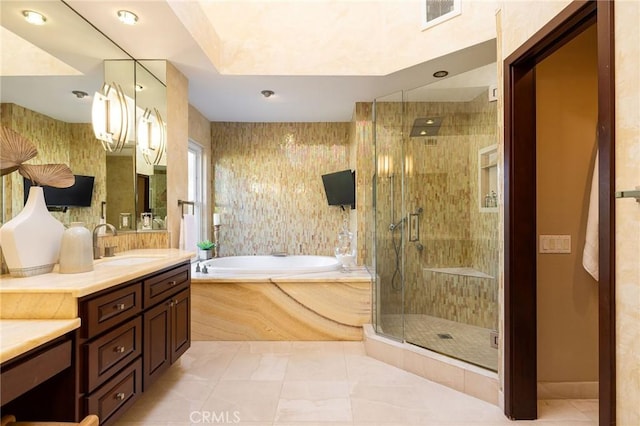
x=31 y=240
x=76 y=250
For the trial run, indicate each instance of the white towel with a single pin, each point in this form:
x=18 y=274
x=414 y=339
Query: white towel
x=590 y=253
x=187 y=233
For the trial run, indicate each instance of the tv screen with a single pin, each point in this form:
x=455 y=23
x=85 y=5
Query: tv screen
x=340 y=188
x=78 y=195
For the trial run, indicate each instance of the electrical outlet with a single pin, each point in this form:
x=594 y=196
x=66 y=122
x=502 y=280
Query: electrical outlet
x=555 y=244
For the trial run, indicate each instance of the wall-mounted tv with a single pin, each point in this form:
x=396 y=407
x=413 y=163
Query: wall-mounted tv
x=77 y=195
x=340 y=188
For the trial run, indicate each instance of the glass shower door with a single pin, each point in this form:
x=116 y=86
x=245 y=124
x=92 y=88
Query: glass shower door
x=389 y=239
x=451 y=253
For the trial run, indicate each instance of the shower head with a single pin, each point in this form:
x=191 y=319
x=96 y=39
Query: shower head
x=423 y=127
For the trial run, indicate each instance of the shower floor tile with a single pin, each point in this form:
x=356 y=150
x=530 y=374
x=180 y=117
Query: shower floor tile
x=462 y=341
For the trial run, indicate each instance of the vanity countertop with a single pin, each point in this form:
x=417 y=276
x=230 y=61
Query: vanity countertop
x=54 y=295
x=20 y=336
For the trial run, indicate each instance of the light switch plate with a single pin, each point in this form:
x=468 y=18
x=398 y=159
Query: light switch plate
x=555 y=244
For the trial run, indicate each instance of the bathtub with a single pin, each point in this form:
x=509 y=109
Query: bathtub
x=271 y=265
x=279 y=298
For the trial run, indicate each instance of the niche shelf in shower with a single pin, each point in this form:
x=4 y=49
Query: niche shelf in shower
x=488 y=179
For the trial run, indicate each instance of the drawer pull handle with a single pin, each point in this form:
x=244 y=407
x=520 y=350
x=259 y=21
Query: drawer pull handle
x=120 y=396
x=119 y=307
x=175 y=302
x=170 y=303
x=119 y=349
x=172 y=283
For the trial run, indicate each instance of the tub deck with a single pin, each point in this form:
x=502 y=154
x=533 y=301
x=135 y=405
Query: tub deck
x=314 y=306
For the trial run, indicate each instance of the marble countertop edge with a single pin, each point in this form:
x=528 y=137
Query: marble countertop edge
x=20 y=336
x=102 y=277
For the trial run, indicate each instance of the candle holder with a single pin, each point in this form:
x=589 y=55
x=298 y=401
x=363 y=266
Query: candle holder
x=216 y=237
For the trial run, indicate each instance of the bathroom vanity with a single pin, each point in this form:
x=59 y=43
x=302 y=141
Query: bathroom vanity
x=91 y=343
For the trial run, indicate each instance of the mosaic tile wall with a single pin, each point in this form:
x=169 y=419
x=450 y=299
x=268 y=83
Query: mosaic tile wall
x=443 y=181
x=362 y=151
x=268 y=186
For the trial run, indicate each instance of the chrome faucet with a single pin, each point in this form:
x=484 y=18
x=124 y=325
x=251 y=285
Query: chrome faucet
x=96 y=249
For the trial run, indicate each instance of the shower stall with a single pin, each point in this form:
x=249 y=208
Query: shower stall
x=436 y=219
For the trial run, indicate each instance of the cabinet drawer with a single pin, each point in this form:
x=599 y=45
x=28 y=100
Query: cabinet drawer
x=161 y=286
x=112 y=351
x=111 y=400
x=110 y=309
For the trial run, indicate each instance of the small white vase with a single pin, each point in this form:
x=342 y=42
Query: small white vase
x=76 y=250
x=31 y=240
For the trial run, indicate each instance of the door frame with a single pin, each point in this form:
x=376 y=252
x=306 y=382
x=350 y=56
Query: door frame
x=520 y=346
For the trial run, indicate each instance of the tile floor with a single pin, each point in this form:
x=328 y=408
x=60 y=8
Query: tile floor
x=316 y=383
x=468 y=342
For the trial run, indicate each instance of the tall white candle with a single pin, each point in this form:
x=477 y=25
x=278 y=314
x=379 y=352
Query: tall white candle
x=216 y=219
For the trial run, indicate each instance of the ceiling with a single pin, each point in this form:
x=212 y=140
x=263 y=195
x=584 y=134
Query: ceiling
x=316 y=76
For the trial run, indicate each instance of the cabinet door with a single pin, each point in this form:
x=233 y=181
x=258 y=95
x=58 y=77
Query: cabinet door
x=180 y=324
x=157 y=335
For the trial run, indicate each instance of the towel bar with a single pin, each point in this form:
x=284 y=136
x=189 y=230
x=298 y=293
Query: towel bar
x=629 y=194
x=182 y=203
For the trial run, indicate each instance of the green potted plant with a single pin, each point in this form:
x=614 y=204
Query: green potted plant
x=205 y=249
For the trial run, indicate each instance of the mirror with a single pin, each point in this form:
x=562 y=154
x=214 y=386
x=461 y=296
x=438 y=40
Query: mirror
x=39 y=100
x=151 y=160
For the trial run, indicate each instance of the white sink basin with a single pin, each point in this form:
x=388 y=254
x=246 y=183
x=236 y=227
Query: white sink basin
x=126 y=261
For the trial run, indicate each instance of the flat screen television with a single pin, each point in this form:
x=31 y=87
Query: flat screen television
x=340 y=188
x=77 y=195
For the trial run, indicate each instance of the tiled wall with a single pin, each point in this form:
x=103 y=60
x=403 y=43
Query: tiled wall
x=362 y=161
x=268 y=186
x=444 y=183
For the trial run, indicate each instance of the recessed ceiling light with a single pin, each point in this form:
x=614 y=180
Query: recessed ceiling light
x=268 y=93
x=440 y=74
x=127 y=17
x=80 y=94
x=34 y=18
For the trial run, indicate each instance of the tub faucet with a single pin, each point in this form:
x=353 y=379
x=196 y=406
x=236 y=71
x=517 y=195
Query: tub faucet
x=96 y=249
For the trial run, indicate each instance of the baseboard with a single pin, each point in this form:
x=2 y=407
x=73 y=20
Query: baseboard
x=567 y=390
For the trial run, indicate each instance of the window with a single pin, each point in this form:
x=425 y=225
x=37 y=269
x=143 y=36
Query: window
x=197 y=187
x=435 y=12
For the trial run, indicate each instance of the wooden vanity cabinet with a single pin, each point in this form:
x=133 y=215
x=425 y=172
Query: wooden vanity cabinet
x=167 y=336
x=130 y=334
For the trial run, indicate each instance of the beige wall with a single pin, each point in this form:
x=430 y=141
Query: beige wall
x=200 y=132
x=269 y=190
x=567 y=112
x=517 y=22
x=177 y=147
x=627 y=143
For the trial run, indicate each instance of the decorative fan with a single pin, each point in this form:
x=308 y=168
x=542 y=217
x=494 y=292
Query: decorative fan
x=15 y=150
